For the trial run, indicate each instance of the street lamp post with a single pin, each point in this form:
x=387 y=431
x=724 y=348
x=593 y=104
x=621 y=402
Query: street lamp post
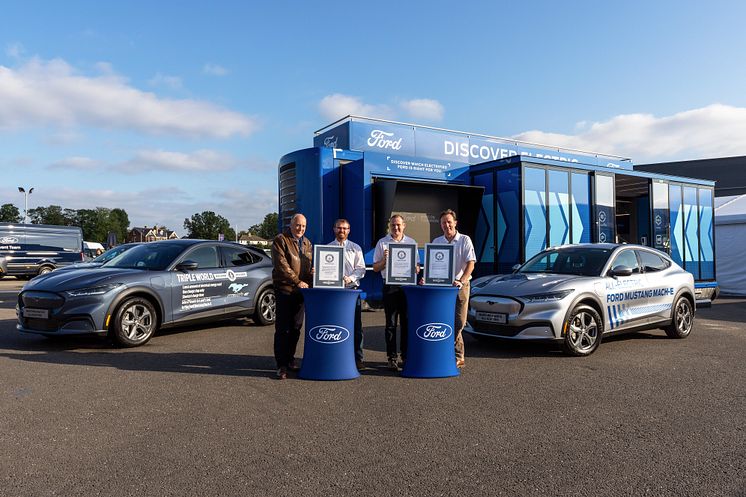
x=25 y=202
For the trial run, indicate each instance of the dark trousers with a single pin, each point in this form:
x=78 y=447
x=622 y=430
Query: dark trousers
x=288 y=323
x=358 y=331
x=395 y=307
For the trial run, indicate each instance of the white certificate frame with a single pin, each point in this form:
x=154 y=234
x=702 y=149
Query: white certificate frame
x=321 y=254
x=411 y=277
x=438 y=280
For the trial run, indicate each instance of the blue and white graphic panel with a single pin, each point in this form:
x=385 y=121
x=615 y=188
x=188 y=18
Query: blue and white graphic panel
x=534 y=211
x=691 y=228
x=581 y=208
x=559 y=207
x=707 y=253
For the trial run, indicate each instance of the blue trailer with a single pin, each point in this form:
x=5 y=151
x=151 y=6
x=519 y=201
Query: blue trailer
x=513 y=198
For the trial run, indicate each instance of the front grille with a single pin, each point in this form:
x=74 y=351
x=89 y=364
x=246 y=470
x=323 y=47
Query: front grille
x=41 y=300
x=494 y=303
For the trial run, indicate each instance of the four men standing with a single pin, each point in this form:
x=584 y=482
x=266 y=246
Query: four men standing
x=292 y=257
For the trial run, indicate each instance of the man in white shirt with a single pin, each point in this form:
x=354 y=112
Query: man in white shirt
x=394 y=301
x=354 y=271
x=464 y=260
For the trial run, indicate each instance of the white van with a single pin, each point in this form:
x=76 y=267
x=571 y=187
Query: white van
x=91 y=249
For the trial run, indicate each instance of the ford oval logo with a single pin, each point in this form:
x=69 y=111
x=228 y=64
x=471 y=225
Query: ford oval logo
x=434 y=332
x=329 y=333
x=8 y=239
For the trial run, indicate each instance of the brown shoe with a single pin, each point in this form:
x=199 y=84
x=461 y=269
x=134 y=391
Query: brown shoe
x=293 y=366
x=459 y=363
x=282 y=374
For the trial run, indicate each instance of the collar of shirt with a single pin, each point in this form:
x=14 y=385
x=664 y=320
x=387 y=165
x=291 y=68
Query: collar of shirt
x=391 y=238
x=456 y=237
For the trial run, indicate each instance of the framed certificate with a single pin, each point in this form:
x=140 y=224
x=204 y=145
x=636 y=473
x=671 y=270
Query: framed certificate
x=439 y=264
x=401 y=267
x=328 y=266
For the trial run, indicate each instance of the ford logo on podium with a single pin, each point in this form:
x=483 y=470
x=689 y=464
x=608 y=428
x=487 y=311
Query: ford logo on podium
x=329 y=333
x=434 y=332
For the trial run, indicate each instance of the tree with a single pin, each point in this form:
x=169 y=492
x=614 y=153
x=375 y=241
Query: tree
x=267 y=229
x=9 y=213
x=99 y=222
x=119 y=223
x=51 y=215
x=95 y=223
x=208 y=225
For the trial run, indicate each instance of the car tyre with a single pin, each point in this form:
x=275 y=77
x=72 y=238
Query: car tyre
x=682 y=319
x=583 y=331
x=266 y=308
x=45 y=270
x=135 y=321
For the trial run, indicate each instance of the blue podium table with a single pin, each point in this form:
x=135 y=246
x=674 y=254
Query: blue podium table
x=431 y=311
x=329 y=352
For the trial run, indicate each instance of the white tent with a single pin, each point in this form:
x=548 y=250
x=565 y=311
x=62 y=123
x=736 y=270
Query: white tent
x=730 y=244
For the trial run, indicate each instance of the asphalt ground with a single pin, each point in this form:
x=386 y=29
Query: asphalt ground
x=197 y=412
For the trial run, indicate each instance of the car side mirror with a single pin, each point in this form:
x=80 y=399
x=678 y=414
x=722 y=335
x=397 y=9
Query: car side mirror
x=186 y=266
x=621 y=271
x=516 y=267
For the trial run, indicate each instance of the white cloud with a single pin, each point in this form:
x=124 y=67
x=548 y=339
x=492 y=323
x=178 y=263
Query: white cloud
x=713 y=131
x=162 y=160
x=337 y=106
x=77 y=163
x=214 y=70
x=424 y=109
x=146 y=161
x=14 y=50
x=172 y=82
x=44 y=93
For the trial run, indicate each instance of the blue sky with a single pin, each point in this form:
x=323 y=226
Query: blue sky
x=170 y=108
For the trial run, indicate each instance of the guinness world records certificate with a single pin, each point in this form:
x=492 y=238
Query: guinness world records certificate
x=328 y=263
x=401 y=267
x=439 y=264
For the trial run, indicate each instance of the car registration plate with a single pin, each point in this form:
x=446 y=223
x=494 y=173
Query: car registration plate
x=35 y=313
x=492 y=317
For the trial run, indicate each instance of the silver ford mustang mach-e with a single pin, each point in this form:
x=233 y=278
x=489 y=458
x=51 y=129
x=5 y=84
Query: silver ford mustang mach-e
x=576 y=294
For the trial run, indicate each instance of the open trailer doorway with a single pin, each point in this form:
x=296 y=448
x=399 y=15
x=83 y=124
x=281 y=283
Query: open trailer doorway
x=632 y=209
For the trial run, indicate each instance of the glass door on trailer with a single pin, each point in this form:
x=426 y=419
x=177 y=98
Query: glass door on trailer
x=603 y=207
x=661 y=217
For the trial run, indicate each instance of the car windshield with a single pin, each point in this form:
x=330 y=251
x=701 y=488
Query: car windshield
x=111 y=253
x=579 y=261
x=149 y=256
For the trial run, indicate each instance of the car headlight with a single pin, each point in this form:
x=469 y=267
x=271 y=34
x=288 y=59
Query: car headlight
x=94 y=290
x=546 y=297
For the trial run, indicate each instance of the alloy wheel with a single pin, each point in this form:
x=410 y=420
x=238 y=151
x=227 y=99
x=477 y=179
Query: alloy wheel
x=583 y=331
x=137 y=322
